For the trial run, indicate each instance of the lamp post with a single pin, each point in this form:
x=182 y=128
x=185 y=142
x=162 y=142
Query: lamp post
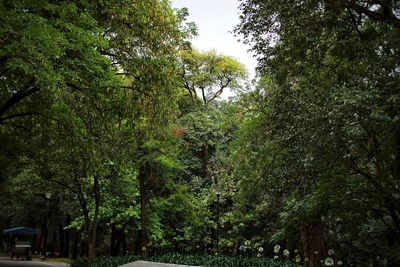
x=46 y=228
x=218 y=193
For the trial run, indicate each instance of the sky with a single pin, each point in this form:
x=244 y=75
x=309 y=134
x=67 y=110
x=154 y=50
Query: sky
x=215 y=20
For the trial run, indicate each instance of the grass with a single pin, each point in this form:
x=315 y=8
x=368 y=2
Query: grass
x=51 y=259
x=208 y=261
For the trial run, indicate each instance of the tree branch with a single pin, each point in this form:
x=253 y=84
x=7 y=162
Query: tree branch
x=17 y=115
x=383 y=14
x=18 y=96
x=135 y=89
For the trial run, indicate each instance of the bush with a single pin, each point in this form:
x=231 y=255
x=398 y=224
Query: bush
x=211 y=261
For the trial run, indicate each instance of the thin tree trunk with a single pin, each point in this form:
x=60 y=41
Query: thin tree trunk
x=204 y=158
x=113 y=240
x=120 y=234
x=53 y=242
x=123 y=244
x=66 y=238
x=61 y=238
x=81 y=245
x=235 y=247
x=40 y=242
x=93 y=225
x=75 y=244
x=143 y=213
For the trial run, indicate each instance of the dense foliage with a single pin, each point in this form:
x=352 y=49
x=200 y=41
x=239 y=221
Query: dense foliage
x=206 y=261
x=325 y=128
x=105 y=105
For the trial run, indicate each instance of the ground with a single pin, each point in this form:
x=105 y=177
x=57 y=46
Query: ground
x=36 y=262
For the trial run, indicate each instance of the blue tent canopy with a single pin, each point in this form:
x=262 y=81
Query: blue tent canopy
x=21 y=231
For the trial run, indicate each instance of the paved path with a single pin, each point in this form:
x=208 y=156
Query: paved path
x=22 y=263
x=152 y=264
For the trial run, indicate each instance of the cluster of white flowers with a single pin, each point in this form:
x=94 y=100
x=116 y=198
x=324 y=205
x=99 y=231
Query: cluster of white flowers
x=286 y=253
x=329 y=262
x=297 y=258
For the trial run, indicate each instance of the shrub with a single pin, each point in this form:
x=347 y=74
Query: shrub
x=209 y=261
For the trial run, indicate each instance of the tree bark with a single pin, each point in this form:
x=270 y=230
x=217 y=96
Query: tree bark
x=235 y=247
x=93 y=225
x=313 y=239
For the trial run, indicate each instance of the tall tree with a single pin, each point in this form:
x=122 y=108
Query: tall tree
x=144 y=42
x=88 y=79
x=206 y=75
x=331 y=109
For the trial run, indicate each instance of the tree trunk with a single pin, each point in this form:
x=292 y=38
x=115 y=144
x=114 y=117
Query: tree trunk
x=120 y=240
x=204 y=159
x=117 y=237
x=144 y=240
x=235 y=248
x=40 y=242
x=93 y=225
x=313 y=239
x=65 y=238
x=61 y=239
x=113 y=240
x=92 y=240
x=123 y=244
x=75 y=244
x=82 y=252
x=45 y=234
x=53 y=242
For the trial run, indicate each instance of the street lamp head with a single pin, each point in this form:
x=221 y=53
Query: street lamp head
x=218 y=191
x=48 y=195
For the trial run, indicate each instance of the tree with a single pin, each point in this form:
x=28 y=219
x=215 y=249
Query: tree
x=86 y=81
x=144 y=44
x=330 y=111
x=208 y=74
x=46 y=50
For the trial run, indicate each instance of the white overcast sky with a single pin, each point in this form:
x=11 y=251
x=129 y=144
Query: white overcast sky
x=215 y=20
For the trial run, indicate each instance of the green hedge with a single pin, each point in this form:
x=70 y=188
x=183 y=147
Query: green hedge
x=211 y=261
